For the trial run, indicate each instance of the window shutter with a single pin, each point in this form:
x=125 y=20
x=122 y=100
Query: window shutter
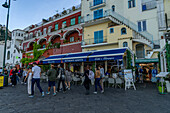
x=144 y=25
x=134 y=3
x=139 y=26
x=100 y=36
x=100 y=13
x=95 y=14
x=96 y=37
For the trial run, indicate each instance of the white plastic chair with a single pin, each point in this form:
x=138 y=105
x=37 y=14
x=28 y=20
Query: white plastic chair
x=75 y=79
x=129 y=83
x=111 y=81
x=119 y=82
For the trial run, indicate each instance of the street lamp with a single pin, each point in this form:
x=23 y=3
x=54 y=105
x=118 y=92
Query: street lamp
x=6 y=5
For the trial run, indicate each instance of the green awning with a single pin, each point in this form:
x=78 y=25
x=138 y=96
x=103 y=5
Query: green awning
x=152 y=60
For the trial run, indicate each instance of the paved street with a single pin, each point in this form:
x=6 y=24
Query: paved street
x=145 y=100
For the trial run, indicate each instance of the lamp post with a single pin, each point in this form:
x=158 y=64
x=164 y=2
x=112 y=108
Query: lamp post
x=6 y=5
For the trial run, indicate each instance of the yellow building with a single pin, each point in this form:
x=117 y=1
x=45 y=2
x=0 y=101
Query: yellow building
x=106 y=34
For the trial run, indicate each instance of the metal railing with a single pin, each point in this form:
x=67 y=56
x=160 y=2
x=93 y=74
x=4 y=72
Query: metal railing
x=95 y=3
x=111 y=14
x=91 y=41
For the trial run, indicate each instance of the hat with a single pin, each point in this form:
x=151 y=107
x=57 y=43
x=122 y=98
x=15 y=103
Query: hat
x=35 y=63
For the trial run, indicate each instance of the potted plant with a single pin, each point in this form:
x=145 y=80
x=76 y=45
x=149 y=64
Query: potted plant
x=64 y=12
x=73 y=8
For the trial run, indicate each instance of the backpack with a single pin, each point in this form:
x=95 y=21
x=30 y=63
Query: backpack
x=91 y=75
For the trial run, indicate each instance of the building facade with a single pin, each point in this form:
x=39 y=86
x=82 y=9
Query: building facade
x=114 y=24
x=14 y=48
x=62 y=32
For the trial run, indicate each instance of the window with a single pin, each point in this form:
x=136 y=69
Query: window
x=98 y=37
x=149 y=5
x=49 y=29
x=22 y=35
x=113 y=8
x=97 y=2
x=18 y=34
x=73 y=21
x=71 y=39
x=44 y=46
x=131 y=3
x=142 y=25
x=123 y=31
x=98 y=14
x=125 y=44
x=14 y=51
x=56 y=26
x=64 y=24
x=44 y=31
x=79 y=19
x=111 y=30
x=8 y=55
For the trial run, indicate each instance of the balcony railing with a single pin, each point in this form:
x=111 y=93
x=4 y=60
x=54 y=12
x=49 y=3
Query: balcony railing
x=111 y=14
x=97 y=3
x=91 y=41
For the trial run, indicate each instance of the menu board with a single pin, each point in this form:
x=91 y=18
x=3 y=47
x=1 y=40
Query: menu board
x=128 y=74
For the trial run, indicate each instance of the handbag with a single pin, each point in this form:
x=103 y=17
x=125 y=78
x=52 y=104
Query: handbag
x=59 y=76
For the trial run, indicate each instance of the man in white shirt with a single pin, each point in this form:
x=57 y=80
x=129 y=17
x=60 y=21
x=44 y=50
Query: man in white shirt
x=102 y=76
x=36 y=72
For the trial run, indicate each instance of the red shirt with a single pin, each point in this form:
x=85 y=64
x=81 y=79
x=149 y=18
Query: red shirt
x=10 y=72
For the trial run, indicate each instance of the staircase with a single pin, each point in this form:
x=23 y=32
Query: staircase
x=143 y=37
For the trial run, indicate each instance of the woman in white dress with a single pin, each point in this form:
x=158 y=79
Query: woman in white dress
x=29 y=80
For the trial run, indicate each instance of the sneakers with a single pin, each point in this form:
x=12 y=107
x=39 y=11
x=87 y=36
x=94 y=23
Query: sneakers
x=12 y=85
x=102 y=91
x=42 y=94
x=54 y=94
x=31 y=96
x=47 y=93
x=95 y=92
x=68 y=88
x=25 y=83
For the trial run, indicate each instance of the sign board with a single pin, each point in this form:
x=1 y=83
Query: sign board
x=106 y=58
x=128 y=74
x=1 y=81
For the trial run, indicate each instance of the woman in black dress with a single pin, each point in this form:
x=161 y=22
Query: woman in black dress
x=14 y=76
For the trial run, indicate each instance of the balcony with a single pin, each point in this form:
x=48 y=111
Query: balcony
x=92 y=41
x=97 y=4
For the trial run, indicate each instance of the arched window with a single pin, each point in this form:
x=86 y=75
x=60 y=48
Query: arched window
x=113 y=8
x=111 y=30
x=125 y=44
x=44 y=46
x=123 y=31
x=8 y=55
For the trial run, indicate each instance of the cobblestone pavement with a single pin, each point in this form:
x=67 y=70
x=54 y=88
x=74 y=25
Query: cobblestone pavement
x=144 y=100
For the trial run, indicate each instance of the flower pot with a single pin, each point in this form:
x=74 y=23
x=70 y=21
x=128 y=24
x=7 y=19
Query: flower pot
x=160 y=89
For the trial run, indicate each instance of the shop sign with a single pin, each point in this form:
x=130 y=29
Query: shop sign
x=106 y=58
x=1 y=81
x=128 y=74
x=75 y=60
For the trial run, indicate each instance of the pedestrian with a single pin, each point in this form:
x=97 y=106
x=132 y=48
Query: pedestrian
x=137 y=74
x=14 y=76
x=25 y=71
x=141 y=75
x=52 y=73
x=97 y=80
x=154 y=73
x=87 y=80
x=28 y=78
x=68 y=78
x=61 y=77
x=150 y=73
x=102 y=76
x=36 y=72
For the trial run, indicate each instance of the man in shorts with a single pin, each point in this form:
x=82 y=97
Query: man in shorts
x=52 y=73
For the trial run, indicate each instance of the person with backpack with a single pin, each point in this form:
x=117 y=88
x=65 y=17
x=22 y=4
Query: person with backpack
x=87 y=80
x=61 y=77
x=97 y=80
x=51 y=79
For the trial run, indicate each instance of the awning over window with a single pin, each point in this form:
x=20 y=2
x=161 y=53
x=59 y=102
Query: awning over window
x=76 y=57
x=103 y=55
x=98 y=55
x=53 y=59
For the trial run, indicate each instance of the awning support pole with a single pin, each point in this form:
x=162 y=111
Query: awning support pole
x=105 y=66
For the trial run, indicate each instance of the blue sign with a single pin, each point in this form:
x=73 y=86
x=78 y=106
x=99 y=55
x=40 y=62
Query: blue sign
x=106 y=58
x=75 y=60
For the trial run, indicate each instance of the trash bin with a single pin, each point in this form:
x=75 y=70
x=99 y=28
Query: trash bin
x=5 y=80
x=1 y=81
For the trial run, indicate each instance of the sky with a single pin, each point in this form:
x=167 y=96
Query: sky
x=24 y=13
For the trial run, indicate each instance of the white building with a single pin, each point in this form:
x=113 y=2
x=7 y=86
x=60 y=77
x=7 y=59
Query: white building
x=13 y=52
x=2 y=53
